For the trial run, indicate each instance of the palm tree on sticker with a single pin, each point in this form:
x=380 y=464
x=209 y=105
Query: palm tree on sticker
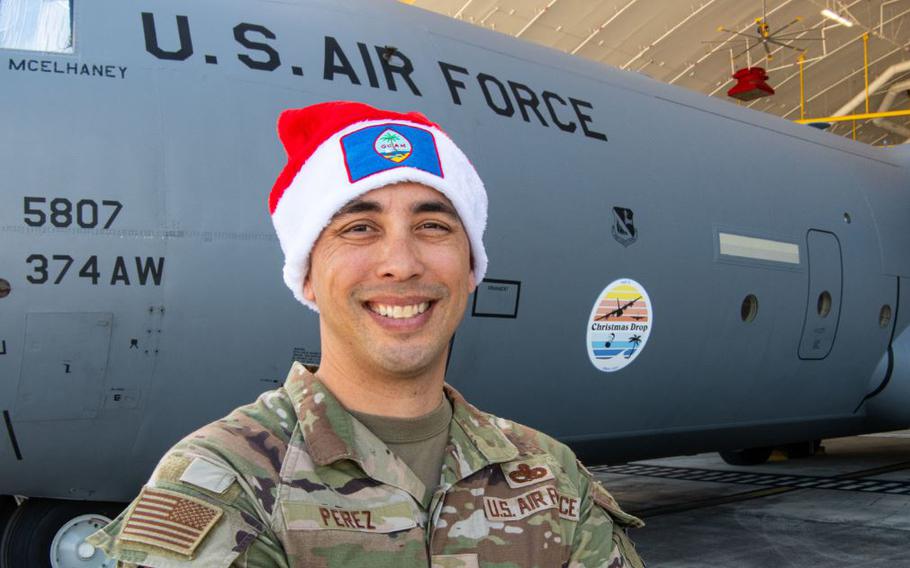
x=635 y=340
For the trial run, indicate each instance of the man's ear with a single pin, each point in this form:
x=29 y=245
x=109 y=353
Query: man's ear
x=308 y=292
x=473 y=285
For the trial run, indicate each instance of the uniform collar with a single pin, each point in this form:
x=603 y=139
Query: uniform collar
x=475 y=437
x=332 y=434
x=327 y=427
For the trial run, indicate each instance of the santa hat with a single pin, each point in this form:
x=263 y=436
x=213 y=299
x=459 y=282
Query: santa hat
x=339 y=150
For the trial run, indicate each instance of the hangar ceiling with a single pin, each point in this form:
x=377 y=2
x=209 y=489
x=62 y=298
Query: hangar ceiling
x=680 y=42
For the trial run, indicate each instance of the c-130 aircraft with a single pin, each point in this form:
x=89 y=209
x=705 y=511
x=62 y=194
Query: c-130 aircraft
x=646 y=296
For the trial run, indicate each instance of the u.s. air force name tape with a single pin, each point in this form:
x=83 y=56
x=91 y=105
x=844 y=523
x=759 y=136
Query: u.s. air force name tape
x=533 y=501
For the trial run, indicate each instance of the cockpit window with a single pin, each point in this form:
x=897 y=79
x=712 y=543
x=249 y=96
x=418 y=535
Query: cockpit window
x=37 y=25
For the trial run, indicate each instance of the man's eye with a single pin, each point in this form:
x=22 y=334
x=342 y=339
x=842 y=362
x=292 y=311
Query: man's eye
x=359 y=228
x=432 y=225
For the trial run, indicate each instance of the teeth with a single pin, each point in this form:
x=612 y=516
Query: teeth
x=400 y=312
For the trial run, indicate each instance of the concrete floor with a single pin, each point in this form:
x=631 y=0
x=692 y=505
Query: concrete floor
x=830 y=510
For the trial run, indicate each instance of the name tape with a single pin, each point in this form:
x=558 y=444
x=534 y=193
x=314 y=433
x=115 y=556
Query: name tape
x=383 y=519
x=521 y=506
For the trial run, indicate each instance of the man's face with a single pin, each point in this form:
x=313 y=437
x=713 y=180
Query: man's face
x=391 y=275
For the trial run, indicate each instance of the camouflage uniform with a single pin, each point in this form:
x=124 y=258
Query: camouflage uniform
x=294 y=480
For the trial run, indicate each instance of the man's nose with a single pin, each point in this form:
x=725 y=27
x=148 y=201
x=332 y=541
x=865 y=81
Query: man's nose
x=399 y=257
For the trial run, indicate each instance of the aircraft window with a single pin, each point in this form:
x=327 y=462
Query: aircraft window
x=749 y=309
x=37 y=25
x=884 y=316
x=847 y=218
x=824 y=304
x=5 y=288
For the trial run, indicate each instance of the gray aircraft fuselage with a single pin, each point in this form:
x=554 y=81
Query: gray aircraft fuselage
x=145 y=278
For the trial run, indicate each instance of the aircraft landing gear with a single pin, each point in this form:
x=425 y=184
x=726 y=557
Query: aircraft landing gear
x=7 y=508
x=748 y=456
x=47 y=533
x=758 y=456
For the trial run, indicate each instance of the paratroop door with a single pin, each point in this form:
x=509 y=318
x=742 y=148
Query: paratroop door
x=824 y=299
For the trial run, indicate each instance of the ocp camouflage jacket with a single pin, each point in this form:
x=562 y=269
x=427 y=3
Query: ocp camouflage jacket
x=294 y=480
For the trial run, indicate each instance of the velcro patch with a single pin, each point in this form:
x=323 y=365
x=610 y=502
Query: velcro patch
x=520 y=474
x=384 y=147
x=535 y=500
x=169 y=520
x=384 y=519
x=207 y=475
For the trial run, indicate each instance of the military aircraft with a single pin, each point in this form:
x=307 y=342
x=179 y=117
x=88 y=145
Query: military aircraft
x=746 y=271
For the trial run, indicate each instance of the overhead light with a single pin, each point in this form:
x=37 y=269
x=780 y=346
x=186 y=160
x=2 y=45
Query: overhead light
x=837 y=18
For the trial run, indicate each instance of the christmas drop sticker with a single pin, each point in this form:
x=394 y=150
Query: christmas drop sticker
x=619 y=325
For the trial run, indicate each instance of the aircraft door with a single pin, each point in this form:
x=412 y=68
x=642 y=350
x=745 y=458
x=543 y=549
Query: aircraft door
x=824 y=300
x=63 y=366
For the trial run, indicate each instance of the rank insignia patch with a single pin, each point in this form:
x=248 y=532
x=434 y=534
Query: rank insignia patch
x=375 y=149
x=170 y=520
x=522 y=474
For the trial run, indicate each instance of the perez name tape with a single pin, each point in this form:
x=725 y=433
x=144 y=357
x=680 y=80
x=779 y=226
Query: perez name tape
x=540 y=499
x=619 y=325
x=382 y=519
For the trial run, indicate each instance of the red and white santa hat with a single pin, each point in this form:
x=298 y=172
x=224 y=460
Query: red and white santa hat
x=339 y=150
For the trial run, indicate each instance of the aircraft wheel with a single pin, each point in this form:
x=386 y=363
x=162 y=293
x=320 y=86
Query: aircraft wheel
x=46 y=533
x=7 y=508
x=748 y=456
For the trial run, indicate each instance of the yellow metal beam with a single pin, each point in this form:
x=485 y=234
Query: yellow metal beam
x=866 y=66
x=864 y=116
x=802 y=91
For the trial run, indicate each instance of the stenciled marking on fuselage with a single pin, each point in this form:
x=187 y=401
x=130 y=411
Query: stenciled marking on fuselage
x=67 y=68
x=505 y=97
x=383 y=66
x=40 y=213
x=53 y=269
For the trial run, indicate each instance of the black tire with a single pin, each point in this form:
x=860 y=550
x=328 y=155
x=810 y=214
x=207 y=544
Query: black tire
x=748 y=456
x=34 y=524
x=7 y=508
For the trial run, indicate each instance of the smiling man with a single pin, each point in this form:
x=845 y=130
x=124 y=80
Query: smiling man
x=373 y=460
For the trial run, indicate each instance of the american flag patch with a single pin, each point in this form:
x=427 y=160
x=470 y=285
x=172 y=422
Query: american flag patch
x=169 y=520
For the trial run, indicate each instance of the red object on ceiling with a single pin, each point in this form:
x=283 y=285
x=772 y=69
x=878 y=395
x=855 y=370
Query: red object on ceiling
x=750 y=84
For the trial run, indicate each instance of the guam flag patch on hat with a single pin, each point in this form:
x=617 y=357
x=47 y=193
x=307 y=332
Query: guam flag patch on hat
x=384 y=147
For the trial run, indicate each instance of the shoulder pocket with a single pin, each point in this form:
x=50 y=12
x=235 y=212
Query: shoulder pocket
x=606 y=501
x=169 y=529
